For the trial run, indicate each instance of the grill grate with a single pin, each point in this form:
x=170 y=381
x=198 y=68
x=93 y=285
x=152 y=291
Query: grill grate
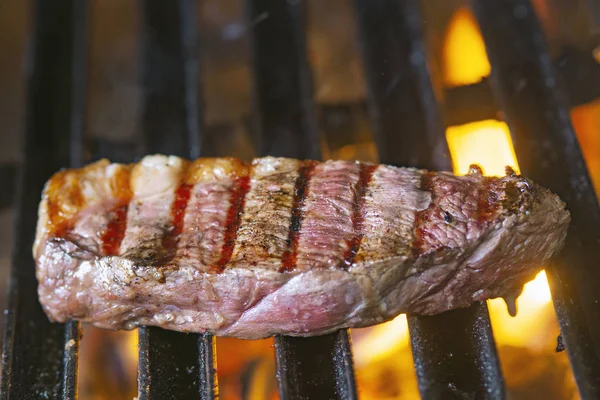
x=454 y=353
x=171 y=124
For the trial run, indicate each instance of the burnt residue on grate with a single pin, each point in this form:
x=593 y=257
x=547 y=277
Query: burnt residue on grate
x=560 y=346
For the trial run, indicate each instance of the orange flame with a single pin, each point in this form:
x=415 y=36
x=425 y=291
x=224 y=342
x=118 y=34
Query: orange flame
x=464 y=56
x=487 y=143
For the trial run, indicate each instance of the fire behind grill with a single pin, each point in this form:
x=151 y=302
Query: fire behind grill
x=455 y=354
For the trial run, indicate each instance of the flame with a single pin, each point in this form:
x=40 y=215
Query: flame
x=464 y=56
x=131 y=344
x=535 y=314
x=586 y=122
x=487 y=143
x=383 y=360
x=382 y=339
x=537 y=292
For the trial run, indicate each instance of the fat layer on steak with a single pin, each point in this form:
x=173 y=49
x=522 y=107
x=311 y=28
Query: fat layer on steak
x=283 y=246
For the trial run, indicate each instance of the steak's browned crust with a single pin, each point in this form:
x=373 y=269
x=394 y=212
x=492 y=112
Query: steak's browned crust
x=281 y=245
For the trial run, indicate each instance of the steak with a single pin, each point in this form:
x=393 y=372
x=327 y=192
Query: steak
x=283 y=246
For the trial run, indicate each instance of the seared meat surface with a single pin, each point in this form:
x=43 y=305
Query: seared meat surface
x=283 y=246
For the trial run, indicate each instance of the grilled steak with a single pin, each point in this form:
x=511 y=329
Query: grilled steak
x=281 y=245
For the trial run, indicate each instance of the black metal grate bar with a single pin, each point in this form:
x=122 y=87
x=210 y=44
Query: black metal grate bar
x=407 y=125
x=71 y=359
x=8 y=179
x=343 y=365
x=168 y=365
x=530 y=93
x=77 y=159
x=454 y=353
x=578 y=69
x=207 y=349
x=39 y=358
x=170 y=77
x=286 y=124
x=172 y=365
x=317 y=367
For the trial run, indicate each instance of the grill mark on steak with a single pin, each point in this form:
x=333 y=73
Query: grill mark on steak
x=424 y=216
x=201 y=240
x=487 y=199
x=360 y=191
x=171 y=238
x=154 y=182
x=234 y=216
x=389 y=211
x=115 y=228
x=63 y=197
x=327 y=225
x=300 y=192
x=262 y=237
